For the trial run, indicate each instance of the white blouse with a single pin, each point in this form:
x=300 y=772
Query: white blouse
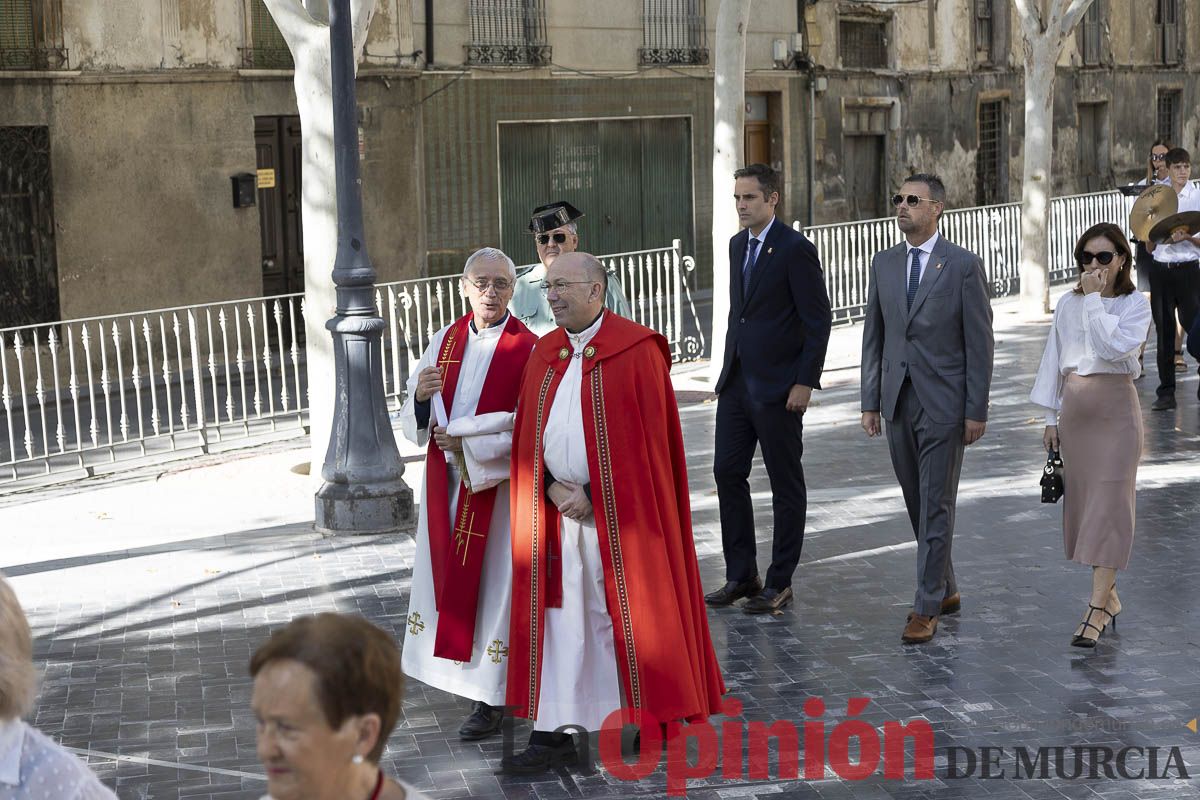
x=1091 y=335
x=35 y=767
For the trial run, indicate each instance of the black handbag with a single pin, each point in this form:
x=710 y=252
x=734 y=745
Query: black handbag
x=1052 y=477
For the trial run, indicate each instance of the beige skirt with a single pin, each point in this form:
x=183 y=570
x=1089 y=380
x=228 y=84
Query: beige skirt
x=1100 y=433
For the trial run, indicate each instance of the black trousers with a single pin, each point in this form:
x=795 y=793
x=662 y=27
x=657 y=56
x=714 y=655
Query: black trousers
x=1171 y=289
x=742 y=425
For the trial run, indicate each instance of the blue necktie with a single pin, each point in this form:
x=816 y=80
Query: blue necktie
x=914 y=276
x=748 y=267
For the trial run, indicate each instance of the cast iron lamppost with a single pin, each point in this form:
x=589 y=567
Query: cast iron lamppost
x=364 y=490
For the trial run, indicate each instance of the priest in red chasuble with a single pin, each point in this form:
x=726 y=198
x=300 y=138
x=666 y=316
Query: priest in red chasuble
x=607 y=611
x=463 y=392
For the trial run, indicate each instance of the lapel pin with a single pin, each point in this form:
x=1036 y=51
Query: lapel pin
x=770 y=250
x=939 y=265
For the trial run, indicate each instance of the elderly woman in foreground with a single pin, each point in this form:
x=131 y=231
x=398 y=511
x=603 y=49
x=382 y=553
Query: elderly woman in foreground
x=327 y=691
x=1085 y=383
x=32 y=767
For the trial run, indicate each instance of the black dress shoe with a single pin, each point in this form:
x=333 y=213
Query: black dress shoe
x=540 y=758
x=484 y=721
x=727 y=594
x=767 y=601
x=1164 y=403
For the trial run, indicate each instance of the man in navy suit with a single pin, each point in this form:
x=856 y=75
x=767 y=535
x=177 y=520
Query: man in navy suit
x=779 y=320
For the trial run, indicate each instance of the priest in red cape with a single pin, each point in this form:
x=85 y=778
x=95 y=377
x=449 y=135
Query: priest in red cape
x=460 y=404
x=607 y=609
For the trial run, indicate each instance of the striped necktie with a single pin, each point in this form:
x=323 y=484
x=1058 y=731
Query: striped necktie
x=914 y=276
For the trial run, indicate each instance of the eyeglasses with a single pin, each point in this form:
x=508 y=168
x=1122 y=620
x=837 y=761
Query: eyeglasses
x=544 y=238
x=912 y=200
x=1105 y=257
x=558 y=286
x=1158 y=156
x=501 y=285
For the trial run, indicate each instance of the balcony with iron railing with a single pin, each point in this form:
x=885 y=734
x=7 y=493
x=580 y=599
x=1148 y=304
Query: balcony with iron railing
x=31 y=35
x=508 y=33
x=673 y=32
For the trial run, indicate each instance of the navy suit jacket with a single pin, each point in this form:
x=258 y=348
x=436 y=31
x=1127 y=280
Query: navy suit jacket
x=779 y=330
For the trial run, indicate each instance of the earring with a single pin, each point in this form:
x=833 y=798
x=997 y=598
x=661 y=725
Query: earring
x=358 y=759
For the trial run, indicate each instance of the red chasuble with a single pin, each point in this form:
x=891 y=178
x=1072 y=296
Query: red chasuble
x=456 y=547
x=643 y=518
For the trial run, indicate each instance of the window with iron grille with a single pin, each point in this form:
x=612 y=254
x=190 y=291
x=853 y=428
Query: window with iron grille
x=29 y=291
x=673 y=32
x=863 y=43
x=508 y=32
x=990 y=179
x=984 y=31
x=31 y=35
x=1090 y=35
x=1166 y=24
x=1168 y=115
x=267 y=49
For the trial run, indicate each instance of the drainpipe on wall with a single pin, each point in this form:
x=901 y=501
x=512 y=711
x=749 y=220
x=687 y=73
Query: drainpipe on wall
x=802 y=27
x=428 y=33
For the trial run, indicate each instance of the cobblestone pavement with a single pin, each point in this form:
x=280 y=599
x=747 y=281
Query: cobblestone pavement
x=145 y=647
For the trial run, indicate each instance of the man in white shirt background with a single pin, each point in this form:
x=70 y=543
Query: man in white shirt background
x=1175 y=277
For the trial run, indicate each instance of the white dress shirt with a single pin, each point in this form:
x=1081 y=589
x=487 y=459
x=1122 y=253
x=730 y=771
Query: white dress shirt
x=926 y=249
x=34 y=767
x=1189 y=200
x=1091 y=335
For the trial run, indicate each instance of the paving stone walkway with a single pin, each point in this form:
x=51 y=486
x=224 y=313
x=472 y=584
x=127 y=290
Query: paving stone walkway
x=145 y=642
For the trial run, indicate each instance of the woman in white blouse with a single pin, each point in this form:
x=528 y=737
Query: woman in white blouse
x=1085 y=382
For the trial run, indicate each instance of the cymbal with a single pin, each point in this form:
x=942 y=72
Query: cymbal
x=1161 y=232
x=1153 y=205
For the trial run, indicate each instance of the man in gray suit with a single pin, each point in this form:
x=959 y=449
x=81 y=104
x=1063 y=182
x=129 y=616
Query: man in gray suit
x=927 y=368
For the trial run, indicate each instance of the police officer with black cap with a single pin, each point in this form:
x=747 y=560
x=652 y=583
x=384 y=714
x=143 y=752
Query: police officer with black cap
x=555 y=233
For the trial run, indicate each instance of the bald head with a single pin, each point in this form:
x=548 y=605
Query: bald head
x=577 y=284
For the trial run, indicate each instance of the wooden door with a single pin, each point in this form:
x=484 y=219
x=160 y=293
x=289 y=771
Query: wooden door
x=864 y=177
x=277 y=147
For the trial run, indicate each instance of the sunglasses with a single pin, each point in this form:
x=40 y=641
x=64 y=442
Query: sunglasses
x=912 y=200
x=1105 y=257
x=1158 y=156
x=544 y=238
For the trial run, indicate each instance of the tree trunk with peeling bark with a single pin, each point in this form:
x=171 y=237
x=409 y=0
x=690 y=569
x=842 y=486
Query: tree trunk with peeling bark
x=729 y=103
x=305 y=28
x=1045 y=26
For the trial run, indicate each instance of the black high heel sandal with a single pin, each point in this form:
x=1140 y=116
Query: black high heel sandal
x=1083 y=641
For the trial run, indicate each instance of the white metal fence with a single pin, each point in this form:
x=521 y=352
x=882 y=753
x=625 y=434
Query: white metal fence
x=992 y=232
x=84 y=393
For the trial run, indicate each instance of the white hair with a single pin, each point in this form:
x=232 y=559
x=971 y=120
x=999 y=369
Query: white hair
x=490 y=254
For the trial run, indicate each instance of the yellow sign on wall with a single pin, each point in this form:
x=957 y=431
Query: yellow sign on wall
x=266 y=179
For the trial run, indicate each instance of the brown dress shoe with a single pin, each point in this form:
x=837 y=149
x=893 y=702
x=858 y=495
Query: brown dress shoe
x=919 y=629
x=952 y=604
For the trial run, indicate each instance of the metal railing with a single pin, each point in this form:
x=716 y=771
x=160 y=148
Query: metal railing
x=84 y=393
x=992 y=232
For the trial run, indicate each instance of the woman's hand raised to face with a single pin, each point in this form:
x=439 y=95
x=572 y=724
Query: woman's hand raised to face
x=1094 y=280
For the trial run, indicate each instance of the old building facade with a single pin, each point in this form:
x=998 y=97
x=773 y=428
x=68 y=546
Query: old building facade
x=131 y=120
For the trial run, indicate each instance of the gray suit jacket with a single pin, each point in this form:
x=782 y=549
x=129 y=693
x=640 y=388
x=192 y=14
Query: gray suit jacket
x=944 y=344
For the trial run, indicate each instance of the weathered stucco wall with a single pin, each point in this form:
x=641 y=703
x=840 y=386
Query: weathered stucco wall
x=102 y=35
x=141 y=181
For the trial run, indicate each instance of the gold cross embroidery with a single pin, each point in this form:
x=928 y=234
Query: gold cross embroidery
x=415 y=625
x=462 y=538
x=497 y=651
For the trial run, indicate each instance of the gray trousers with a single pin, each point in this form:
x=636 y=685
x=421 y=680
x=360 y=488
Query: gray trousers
x=927 y=457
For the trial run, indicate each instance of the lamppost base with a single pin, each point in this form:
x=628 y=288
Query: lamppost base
x=342 y=511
